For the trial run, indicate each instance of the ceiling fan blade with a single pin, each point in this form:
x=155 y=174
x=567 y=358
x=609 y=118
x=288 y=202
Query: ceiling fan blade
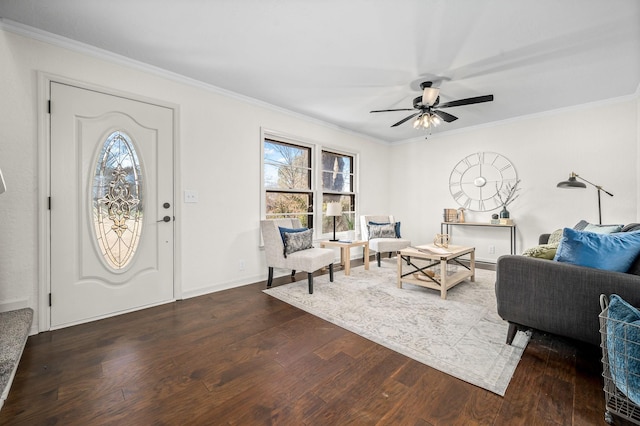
x=445 y=116
x=387 y=110
x=406 y=119
x=468 y=101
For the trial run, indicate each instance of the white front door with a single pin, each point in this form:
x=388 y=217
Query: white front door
x=111 y=205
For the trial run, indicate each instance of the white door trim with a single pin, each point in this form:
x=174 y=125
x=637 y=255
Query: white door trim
x=44 y=185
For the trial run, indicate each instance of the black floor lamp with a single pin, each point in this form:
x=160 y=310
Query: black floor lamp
x=335 y=210
x=573 y=183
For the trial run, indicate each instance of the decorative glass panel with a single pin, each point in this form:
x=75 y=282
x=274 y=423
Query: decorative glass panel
x=117 y=200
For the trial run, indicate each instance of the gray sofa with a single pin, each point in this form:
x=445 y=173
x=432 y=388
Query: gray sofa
x=559 y=298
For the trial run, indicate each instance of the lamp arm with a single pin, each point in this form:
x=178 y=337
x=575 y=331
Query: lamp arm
x=598 y=187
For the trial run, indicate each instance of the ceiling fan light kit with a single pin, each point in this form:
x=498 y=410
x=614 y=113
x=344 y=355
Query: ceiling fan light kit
x=428 y=106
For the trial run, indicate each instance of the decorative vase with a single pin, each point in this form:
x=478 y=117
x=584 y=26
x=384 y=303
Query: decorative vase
x=504 y=213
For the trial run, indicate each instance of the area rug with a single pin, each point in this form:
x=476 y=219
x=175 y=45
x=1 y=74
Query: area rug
x=462 y=336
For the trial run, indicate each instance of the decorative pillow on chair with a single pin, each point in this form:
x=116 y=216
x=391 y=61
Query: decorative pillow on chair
x=297 y=241
x=623 y=346
x=611 y=252
x=290 y=230
x=395 y=224
x=382 y=231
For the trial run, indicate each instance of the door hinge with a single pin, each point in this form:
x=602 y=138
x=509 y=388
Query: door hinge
x=49 y=299
x=49 y=107
x=49 y=203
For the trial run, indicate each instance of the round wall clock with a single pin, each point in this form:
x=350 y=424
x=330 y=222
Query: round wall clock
x=478 y=178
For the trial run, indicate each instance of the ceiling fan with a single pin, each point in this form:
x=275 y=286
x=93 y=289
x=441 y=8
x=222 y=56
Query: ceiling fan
x=428 y=107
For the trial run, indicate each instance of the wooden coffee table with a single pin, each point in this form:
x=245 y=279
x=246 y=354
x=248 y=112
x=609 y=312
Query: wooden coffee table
x=435 y=256
x=345 y=252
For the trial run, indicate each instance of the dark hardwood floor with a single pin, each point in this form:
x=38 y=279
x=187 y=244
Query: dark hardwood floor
x=240 y=357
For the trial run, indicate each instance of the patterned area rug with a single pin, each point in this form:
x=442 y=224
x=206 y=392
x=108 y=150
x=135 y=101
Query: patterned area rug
x=462 y=336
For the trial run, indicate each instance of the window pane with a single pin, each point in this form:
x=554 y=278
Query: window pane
x=338 y=182
x=336 y=172
x=345 y=222
x=286 y=166
x=117 y=196
x=286 y=177
x=288 y=203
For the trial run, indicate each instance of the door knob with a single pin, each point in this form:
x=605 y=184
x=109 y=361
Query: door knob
x=165 y=219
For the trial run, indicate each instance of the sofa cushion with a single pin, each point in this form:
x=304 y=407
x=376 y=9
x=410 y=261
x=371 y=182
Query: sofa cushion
x=631 y=227
x=297 y=241
x=623 y=346
x=612 y=252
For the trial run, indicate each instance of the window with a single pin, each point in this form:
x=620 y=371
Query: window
x=337 y=186
x=288 y=181
x=298 y=176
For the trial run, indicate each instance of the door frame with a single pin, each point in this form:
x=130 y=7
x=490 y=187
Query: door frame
x=44 y=188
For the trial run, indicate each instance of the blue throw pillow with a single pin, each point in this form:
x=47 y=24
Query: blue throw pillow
x=289 y=230
x=611 y=252
x=396 y=226
x=623 y=346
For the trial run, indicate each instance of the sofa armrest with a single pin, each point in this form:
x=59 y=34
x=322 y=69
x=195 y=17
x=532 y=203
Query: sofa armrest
x=543 y=238
x=557 y=297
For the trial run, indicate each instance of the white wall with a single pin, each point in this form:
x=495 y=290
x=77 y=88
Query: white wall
x=598 y=141
x=219 y=138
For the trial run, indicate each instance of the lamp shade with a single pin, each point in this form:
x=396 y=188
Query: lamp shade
x=334 y=209
x=571 y=183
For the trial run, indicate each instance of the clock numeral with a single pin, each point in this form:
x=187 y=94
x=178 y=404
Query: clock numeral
x=458 y=195
x=481 y=205
x=480 y=157
x=506 y=167
x=467 y=203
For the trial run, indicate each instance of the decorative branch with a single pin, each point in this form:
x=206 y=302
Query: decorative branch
x=508 y=194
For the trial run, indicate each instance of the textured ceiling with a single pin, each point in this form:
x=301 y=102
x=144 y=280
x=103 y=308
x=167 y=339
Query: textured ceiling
x=336 y=60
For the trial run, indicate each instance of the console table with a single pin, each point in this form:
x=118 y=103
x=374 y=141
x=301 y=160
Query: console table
x=445 y=228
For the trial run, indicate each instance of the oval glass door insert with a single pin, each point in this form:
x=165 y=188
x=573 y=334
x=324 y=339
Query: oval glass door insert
x=117 y=200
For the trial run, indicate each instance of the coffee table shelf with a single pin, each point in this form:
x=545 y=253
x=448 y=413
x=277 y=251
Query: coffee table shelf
x=435 y=256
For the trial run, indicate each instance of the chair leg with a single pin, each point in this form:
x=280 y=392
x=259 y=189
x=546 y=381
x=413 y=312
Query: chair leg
x=390 y=255
x=293 y=273
x=270 y=277
x=310 y=276
x=378 y=258
x=331 y=272
x=511 y=333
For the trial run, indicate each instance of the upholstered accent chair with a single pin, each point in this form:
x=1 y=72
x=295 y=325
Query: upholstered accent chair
x=385 y=242
x=308 y=259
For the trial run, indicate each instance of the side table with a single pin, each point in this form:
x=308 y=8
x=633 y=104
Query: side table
x=345 y=252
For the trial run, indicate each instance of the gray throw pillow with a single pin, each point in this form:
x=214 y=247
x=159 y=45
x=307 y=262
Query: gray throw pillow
x=297 y=241
x=382 y=231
